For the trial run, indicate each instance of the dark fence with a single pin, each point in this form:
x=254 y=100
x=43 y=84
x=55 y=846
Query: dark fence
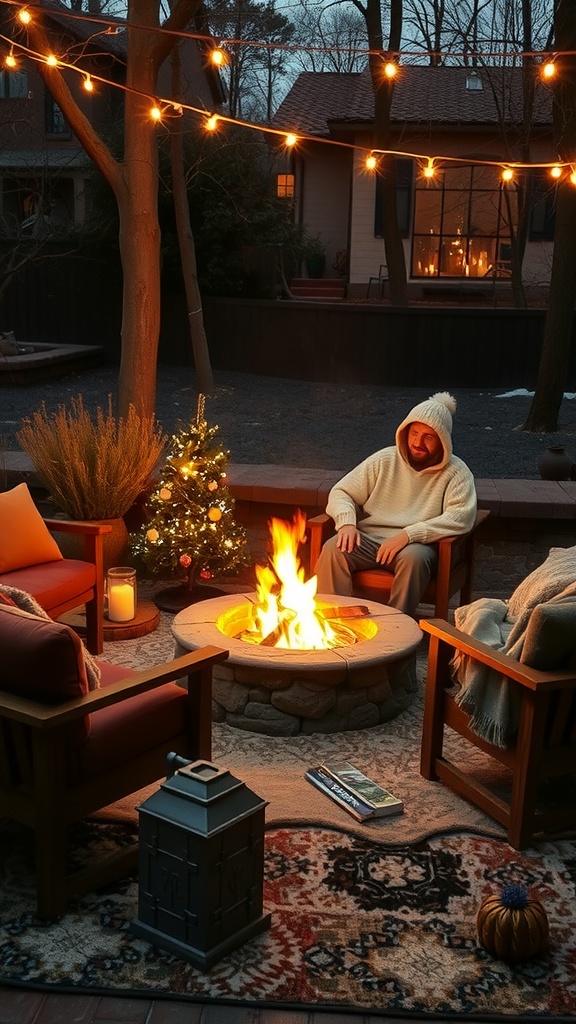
x=419 y=346
x=70 y=301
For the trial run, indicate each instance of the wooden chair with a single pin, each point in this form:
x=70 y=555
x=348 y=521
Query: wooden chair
x=544 y=748
x=67 y=751
x=455 y=574
x=73 y=582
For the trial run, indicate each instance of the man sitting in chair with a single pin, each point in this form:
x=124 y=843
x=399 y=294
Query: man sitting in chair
x=412 y=493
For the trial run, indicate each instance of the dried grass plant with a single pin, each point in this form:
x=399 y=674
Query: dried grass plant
x=93 y=467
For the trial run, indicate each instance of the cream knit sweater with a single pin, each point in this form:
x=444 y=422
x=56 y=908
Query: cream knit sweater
x=428 y=504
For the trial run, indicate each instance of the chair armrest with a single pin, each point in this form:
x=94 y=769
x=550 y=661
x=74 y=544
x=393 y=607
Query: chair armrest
x=78 y=526
x=319 y=528
x=531 y=678
x=50 y=716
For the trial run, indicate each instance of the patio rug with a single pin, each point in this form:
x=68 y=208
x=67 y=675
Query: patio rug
x=356 y=924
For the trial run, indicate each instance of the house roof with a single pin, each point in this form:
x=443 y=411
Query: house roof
x=320 y=102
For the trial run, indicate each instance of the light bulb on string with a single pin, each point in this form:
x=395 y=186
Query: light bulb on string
x=507 y=174
x=572 y=178
x=155 y=113
x=371 y=162
x=10 y=60
x=24 y=16
x=429 y=171
x=290 y=140
x=211 y=123
x=548 y=69
x=88 y=84
x=556 y=171
x=219 y=57
x=52 y=61
x=390 y=69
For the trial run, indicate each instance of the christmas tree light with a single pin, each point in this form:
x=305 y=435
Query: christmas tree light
x=191 y=530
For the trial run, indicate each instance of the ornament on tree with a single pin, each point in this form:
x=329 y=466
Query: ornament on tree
x=186 y=533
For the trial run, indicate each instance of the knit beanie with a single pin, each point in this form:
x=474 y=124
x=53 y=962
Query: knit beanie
x=435 y=412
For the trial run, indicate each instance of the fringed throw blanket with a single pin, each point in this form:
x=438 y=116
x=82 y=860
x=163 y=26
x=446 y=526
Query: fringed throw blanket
x=26 y=603
x=489 y=698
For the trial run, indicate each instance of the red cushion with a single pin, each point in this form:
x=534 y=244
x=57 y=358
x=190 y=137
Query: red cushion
x=40 y=659
x=135 y=725
x=53 y=583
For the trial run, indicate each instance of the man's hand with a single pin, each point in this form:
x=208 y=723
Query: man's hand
x=348 y=538
x=389 y=548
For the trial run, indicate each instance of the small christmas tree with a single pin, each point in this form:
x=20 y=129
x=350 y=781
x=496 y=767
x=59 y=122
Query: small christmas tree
x=191 y=527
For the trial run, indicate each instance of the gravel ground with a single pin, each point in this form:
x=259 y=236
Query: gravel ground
x=299 y=423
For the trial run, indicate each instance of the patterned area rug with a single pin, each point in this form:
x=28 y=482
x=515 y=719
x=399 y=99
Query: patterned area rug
x=355 y=924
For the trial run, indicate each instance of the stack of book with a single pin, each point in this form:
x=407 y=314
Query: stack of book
x=354 y=791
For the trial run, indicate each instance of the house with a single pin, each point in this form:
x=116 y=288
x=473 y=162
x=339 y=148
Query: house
x=43 y=167
x=463 y=122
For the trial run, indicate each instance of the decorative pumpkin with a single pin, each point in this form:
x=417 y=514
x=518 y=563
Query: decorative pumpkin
x=512 y=925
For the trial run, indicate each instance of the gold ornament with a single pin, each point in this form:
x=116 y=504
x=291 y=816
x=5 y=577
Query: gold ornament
x=165 y=494
x=214 y=514
x=212 y=485
x=152 y=535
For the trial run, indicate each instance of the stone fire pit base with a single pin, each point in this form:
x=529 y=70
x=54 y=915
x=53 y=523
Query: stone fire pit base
x=282 y=693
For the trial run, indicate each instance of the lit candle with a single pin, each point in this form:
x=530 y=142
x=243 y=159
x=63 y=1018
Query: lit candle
x=120 y=602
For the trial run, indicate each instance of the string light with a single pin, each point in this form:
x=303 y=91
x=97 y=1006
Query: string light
x=390 y=69
x=219 y=57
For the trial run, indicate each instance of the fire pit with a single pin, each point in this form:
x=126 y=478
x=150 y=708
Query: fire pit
x=282 y=692
x=298 y=662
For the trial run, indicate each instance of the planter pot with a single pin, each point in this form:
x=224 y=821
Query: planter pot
x=556 y=464
x=116 y=544
x=315 y=265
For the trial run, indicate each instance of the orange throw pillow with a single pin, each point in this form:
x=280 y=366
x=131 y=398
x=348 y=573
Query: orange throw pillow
x=24 y=537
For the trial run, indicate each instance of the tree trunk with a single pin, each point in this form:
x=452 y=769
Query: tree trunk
x=382 y=88
x=559 y=325
x=204 y=376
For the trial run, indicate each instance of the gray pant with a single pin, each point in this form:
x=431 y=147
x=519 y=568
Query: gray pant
x=413 y=568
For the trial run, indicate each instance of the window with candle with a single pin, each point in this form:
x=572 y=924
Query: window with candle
x=462 y=223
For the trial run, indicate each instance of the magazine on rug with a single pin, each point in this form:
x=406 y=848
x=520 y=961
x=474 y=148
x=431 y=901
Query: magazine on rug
x=332 y=788
x=381 y=800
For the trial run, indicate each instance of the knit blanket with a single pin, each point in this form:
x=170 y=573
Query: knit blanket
x=26 y=603
x=492 y=700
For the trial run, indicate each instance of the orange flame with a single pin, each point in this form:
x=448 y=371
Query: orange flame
x=286 y=614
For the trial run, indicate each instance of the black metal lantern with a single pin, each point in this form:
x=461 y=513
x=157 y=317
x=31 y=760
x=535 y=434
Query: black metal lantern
x=201 y=863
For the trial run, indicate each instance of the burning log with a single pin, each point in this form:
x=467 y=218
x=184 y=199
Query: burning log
x=352 y=611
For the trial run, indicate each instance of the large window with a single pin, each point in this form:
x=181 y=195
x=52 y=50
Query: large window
x=462 y=224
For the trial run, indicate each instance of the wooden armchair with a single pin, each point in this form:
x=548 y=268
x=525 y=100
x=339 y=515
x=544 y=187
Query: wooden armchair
x=542 y=751
x=67 y=751
x=455 y=573
x=33 y=562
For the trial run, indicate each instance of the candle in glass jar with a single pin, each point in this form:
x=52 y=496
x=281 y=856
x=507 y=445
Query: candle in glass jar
x=120 y=602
